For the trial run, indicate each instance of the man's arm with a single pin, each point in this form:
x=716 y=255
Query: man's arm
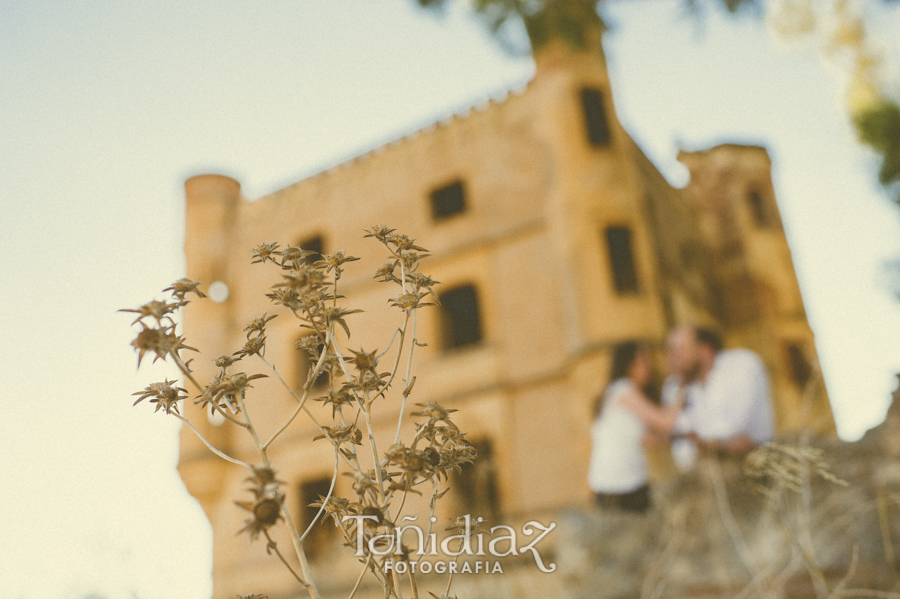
x=673 y=392
x=738 y=445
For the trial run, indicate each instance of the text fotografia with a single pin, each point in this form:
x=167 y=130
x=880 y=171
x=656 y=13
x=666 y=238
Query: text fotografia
x=453 y=546
x=445 y=567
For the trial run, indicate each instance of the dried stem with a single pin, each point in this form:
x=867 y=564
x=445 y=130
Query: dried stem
x=273 y=546
x=361 y=574
x=406 y=380
x=252 y=430
x=301 y=401
x=284 y=426
x=301 y=554
x=211 y=447
x=324 y=501
x=289 y=521
x=301 y=406
x=854 y=560
x=396 y=358
x=452 y=571
x=734 y=531
x=811 y=565
x=885 y=525
x=377 y=461
x=390 y=343
x=412 y=584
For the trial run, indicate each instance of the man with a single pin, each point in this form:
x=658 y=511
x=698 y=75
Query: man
x=729 y=404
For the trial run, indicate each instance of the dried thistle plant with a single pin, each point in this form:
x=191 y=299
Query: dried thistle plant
x=777 y=468
x=775 y=465
x=308 y=291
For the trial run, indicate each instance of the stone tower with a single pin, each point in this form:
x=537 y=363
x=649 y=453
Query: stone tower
x=759 y=302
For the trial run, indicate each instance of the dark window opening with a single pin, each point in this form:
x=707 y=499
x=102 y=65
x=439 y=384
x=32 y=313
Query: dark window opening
x=305 y=364
x=596 y=123
x=621 y=259
x=758 y=208
x=460 y=320
x=324 y=530
x=448 y=200
x=313 y=244
x=798 y=366
x=476 y=484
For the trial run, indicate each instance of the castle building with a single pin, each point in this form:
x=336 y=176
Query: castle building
x=554 y=238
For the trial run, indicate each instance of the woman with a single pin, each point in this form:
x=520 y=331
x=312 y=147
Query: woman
x=624 y=414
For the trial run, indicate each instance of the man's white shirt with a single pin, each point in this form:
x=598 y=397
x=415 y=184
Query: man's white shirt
x=734 y=400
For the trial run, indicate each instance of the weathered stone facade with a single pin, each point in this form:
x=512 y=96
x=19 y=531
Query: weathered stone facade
x=571 y=240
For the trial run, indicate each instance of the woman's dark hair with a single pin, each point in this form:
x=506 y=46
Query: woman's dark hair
x=624 y=355
x=710 y=338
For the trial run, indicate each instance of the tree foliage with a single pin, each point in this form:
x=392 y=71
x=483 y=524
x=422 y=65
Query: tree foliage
x=572 y=21
x=543 y=20
x=575 y=21
x=879 y=128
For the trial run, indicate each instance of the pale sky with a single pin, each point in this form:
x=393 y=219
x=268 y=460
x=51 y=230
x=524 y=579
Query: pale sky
x=106 y=107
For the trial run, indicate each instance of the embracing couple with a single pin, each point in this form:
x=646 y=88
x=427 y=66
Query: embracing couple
x=713 y=400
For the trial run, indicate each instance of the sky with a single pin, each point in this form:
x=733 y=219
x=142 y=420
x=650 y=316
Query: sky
x=107 y=107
